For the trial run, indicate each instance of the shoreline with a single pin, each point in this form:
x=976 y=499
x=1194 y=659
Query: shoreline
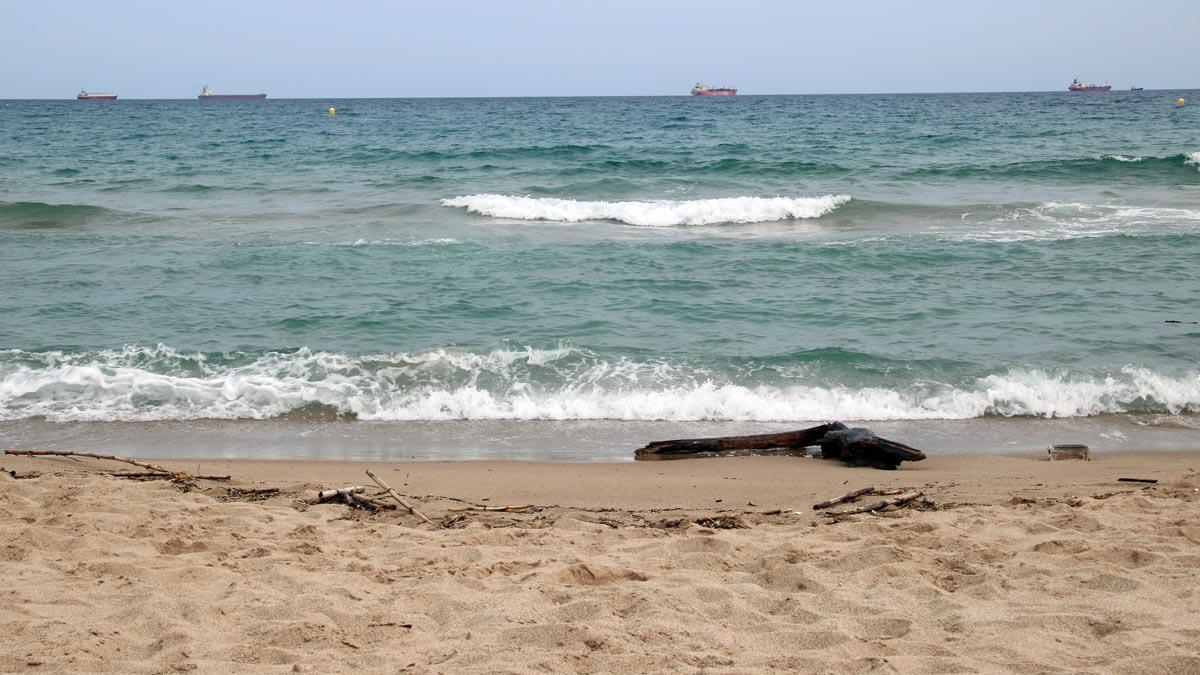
x=570 y=441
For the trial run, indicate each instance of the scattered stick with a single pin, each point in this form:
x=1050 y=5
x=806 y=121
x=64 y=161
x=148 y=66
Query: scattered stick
x=523 y=508
x=94 y=455
x=878 y=506
x=360 y=500
x=155 y=474
x=339 y=493
x=848 y=497
x=394 y=495
x=1138 y=480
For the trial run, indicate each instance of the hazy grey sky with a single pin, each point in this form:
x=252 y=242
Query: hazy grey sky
x=347 y=48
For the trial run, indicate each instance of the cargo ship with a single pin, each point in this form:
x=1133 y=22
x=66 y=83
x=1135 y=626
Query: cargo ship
x=1076 y=85
x=206 y=94
x=702 y=89
x=84 y=95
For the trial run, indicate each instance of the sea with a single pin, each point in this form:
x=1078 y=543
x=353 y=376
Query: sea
x=568 y=278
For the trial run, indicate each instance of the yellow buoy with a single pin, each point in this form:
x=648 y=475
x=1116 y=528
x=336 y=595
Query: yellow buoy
x=1180 y=102
x=333 y=110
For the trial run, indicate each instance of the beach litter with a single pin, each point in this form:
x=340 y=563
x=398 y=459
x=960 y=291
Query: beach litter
x=1069 y=451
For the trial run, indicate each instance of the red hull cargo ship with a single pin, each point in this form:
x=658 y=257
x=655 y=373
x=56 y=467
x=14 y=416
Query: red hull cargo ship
x=84 y=95
x=702 y=89
x=207 y=94
x=1079 y=86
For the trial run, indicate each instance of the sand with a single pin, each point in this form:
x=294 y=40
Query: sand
x=1015 y=564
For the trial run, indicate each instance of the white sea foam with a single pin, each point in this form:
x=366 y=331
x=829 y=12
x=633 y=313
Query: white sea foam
x=1123 y=158
x=1193 y=159
x=658 y=213
x=565 y=383
x=1062 y=220
x=386 y=242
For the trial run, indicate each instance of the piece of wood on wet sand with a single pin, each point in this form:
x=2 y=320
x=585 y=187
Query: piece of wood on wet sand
x=395 y=495
x=793 y=442
x=877 y=506
x=861 y=447
x=855 y=447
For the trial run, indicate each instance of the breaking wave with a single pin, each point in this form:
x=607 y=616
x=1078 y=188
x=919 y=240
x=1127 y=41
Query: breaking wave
x=527 y=383
x=658 y=213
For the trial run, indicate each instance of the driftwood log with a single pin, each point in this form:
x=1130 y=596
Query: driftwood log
x=788 y=442
x=856 y=447
x=860 y=447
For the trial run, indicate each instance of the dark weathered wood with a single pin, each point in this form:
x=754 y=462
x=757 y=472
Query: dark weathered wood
x=848 y=497
x=724 y=446
x=877 y=506
x=861 y=447
x=1138 y=480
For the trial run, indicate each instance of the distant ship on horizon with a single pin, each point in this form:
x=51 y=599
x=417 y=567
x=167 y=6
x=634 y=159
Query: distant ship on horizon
x=84 y=95
x=1076 y=85
x=702 y=89
x=206 y=94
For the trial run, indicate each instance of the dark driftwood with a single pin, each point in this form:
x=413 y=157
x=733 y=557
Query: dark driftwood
x=724 y=446
x=856 y=447
x=861 y=447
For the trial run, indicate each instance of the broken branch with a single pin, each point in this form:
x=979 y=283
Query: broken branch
x=394 y=495
x=848 y=497
x=94 y=455
x=878 y=506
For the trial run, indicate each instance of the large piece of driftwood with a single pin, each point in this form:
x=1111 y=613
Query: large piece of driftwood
x=878 y=506
x=848 y=497
x=93 y=455
x=856 y=447
x=861 y=447
x=395 y=495
x=724 y=446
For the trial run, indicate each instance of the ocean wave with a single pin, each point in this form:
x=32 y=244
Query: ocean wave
x=42 y=216
x=658 y=213
x=441 y=241
x=1052 y=221
x=1103 y=167
x=530 y=383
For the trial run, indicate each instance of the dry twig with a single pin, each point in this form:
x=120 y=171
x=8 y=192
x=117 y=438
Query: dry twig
x=95 y=455
x=394 y=495
x=878 y=506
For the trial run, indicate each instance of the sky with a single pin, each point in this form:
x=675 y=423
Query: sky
x=378 y=48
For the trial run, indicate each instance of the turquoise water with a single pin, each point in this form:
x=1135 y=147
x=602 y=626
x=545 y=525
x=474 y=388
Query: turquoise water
x=764 y=259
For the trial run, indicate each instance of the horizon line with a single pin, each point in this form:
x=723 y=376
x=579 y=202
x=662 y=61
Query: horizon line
x=484 y=96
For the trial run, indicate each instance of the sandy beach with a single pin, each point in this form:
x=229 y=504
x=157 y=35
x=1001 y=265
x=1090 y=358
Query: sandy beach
x=1009 y=563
